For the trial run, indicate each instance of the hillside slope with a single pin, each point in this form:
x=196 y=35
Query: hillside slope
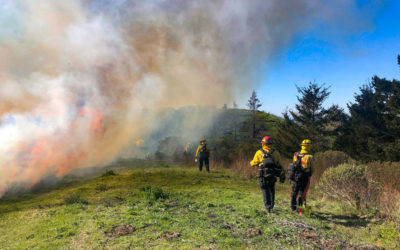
x=169 y=207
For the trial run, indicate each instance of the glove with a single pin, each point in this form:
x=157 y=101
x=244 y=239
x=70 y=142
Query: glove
x=195 y=159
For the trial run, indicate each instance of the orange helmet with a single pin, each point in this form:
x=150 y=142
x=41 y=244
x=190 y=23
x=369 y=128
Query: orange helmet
x=266 y=140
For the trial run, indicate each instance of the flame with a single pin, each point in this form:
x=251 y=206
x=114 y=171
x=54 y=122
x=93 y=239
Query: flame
x=48 y=155
x=139 y=142
x=96 y=119
x=71 y=161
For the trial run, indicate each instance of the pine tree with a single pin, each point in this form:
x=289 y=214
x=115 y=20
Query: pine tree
x=288 y=136
x=310 y=120
x=253 y=104
x=372 y=131
x=398 y=60
x=235 y=113
x=235 y=106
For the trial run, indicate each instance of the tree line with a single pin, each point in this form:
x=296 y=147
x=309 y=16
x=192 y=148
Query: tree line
x=370 y=131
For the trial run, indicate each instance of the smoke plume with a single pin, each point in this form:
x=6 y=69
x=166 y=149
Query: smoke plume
x=82 y=81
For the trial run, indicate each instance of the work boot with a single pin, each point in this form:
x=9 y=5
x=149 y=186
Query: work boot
x=300 y=211
x=268 y=210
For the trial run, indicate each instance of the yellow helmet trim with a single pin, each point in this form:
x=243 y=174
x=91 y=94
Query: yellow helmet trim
x=305 y=142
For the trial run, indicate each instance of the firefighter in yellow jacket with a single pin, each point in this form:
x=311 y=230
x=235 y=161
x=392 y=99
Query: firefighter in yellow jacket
x=268 y=161
x=302 y=176
x=203 y=155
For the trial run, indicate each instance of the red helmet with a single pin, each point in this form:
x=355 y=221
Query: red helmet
x=266 y=140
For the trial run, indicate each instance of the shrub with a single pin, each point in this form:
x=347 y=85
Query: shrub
x=163 y=164
x=390 y=204
x=75 y=198
x=351 y=184
x=101 y=187
x=152 y=194
x=387 y=173
x=328 y=159
x=109 y=173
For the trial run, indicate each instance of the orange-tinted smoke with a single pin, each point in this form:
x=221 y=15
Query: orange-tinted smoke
x=80 y=81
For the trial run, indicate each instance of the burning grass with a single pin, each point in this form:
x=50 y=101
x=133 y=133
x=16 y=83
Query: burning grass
x=188 y=210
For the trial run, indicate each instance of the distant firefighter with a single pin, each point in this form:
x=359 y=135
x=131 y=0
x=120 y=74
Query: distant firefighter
x=203 y=152
x=148 y=156
x=187 y=148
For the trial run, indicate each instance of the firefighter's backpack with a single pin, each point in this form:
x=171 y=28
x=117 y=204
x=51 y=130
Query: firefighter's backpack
x=295 y=169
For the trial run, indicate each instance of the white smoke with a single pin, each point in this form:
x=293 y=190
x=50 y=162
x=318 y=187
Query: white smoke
x=81 y=80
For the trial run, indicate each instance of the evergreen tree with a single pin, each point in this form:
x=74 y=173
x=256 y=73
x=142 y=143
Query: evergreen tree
x=253 y=104
x=398 y=60
x=310 y=120
x=288 y=136
x=235 y=120
x=372 y=131
x=235 y=106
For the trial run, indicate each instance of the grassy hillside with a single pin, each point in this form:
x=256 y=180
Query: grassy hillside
x=229 y=135
x=169 y=207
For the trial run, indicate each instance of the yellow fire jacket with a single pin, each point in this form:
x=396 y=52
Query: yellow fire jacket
x=199 y=149
x=306 y=162
x=258 y=157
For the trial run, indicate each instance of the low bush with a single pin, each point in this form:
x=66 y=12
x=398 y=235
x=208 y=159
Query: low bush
x=390 y=204
x=328 y=159
x=351 y=184
x=388 y=175
x=109 y=173
x=101 y=187
x=375 y=185
x=163 y=164
x=75 y=198
x=152 y=194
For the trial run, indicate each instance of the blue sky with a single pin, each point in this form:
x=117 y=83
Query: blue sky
x=345 y=64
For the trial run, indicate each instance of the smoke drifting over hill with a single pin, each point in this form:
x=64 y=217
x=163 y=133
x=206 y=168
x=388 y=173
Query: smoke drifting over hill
x=81 y=81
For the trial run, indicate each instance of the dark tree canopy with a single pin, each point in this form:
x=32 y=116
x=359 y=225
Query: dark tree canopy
x=372 y=131
x=288 y=136
x=310 y=120
x=398 y=60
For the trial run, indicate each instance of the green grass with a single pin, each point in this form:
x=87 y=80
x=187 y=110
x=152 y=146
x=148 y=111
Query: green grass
x=207 y=210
